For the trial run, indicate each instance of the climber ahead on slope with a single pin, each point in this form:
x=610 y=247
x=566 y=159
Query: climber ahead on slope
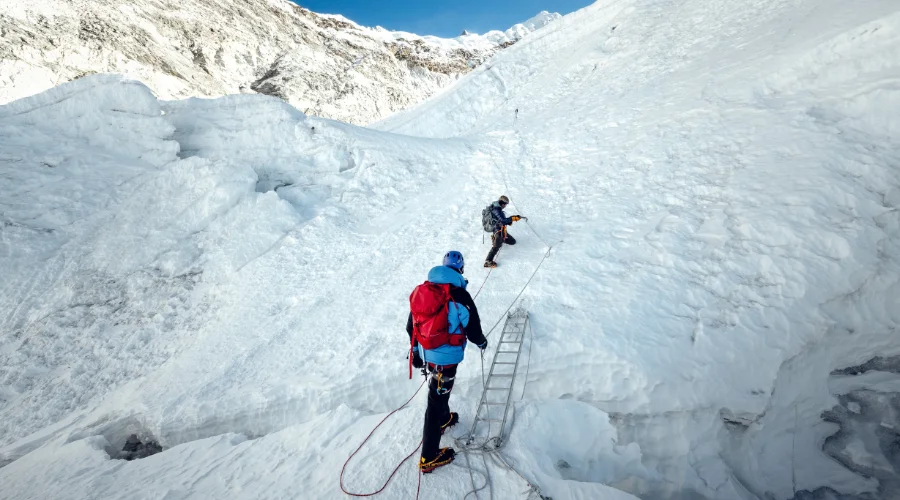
x=495 y=221
x=442 y=316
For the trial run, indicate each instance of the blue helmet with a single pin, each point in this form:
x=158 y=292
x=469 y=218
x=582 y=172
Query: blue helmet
x=455 y=260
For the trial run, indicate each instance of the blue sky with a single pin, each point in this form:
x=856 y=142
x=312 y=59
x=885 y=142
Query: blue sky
x=446 y=18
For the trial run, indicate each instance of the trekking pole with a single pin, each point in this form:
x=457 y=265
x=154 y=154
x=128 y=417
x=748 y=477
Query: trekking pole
x=483 y=383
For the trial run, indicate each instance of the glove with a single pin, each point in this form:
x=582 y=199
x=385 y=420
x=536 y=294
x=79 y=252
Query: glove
x=483 y=346
x=417 y=360
x=516 y=218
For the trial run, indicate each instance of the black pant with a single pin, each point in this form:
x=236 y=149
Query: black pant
x=497 y=240
x=438 y=411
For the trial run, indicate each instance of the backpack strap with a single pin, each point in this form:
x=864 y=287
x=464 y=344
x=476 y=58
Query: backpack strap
x=411 y=346
x=462 y=329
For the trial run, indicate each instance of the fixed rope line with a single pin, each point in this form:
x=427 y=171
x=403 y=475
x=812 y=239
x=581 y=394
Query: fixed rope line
x=506 y=185
x=465 y=451
x=468 y=466
x=536 y=233
x=536 y=269
x=487 y=479
x=489 y=447
x=528 y=365
x=483 y=380
x=496 y=456
x=482 y=284
x=485 y=447
x=527 y=223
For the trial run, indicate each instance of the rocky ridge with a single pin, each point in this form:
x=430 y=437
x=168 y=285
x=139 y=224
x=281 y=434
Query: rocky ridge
x=324 y=65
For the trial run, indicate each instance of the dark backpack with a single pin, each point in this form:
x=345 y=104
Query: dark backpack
x=488 y=220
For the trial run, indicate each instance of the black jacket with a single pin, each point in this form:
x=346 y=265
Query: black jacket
x=473 y=329
x=499 y=216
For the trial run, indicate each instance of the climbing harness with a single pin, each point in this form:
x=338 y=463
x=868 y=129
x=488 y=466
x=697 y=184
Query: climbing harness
x=438 y=374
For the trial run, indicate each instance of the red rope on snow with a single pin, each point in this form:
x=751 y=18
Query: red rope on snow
x=398 y=465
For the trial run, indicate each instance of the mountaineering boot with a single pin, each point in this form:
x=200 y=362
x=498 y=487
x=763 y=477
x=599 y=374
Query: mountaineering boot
x=444 y=457
x=454 y=418
x=490 y=263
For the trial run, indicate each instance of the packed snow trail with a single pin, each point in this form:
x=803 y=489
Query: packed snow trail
x=230 y=276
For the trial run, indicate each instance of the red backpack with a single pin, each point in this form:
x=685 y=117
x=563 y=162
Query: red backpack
x=429 y=304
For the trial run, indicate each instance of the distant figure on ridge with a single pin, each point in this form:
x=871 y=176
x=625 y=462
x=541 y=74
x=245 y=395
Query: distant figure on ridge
x=442 y=316
x=495 y=221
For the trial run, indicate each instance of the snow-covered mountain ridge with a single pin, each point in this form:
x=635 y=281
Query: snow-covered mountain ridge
x=322 y=64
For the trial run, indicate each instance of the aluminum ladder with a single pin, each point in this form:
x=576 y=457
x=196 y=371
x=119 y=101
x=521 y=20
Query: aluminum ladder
x=498 y=389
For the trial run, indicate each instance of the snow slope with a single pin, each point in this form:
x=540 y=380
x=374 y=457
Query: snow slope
x=325 y=65
x=716 y=319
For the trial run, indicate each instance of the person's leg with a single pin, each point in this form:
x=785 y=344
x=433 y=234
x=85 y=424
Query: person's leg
x=509 y=239
x=496 y=243
x=438 y=411
x=446 y=385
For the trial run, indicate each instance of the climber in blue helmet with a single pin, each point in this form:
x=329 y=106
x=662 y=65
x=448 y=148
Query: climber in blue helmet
x=437 y=344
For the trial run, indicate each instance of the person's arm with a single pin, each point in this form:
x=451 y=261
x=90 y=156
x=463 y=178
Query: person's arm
x=473 y=329
x=500 y=216
x=417 y=360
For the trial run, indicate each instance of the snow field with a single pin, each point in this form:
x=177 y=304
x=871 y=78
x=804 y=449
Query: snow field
x=184 y=250
x=719 y=185
x=716 y=225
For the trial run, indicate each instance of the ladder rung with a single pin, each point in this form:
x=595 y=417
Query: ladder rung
x=493 y=404
x=498 y=388
x=508 y=352
x=505 y=363
x=503 y=375
x=490 y=419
